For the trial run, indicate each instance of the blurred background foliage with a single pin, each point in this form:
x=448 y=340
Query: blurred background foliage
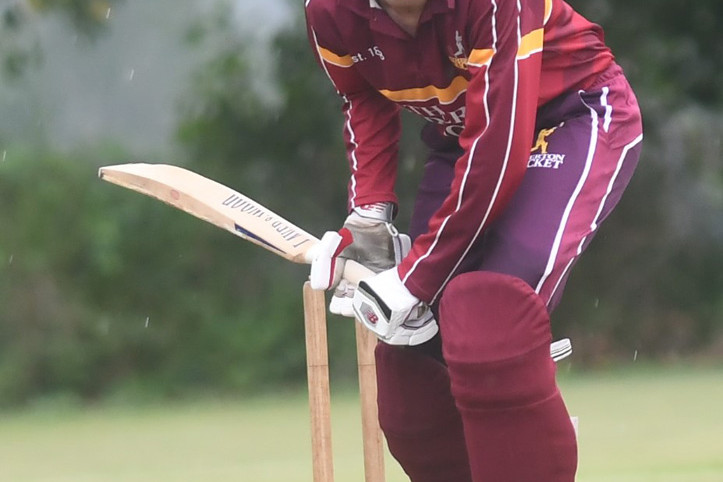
x=105 y=294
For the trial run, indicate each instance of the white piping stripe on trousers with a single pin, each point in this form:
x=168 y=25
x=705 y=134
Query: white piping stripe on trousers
x=611 y=184
x=568 y=209
x=594 y=225
x=608 y=109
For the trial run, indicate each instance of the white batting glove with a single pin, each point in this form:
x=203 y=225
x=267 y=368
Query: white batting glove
x=326 y=265
x=376 y=244
x=386 y=307
x=340 y=303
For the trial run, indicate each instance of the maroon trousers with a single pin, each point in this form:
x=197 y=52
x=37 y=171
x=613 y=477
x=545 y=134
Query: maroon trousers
x=480 y=403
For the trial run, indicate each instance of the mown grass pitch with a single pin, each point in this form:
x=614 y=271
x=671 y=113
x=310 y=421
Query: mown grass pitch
x=637 y=425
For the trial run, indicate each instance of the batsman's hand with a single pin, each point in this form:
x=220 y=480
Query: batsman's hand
x=326 y=264
x=385 y=306
x=369 y=238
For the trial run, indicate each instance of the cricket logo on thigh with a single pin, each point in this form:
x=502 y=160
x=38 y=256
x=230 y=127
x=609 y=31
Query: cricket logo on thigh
x=540 y=157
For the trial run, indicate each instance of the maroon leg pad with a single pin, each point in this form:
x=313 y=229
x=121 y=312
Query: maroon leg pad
x=418 y=416
x=496 y=335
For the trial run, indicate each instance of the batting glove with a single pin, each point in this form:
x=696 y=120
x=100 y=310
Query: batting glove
x=326 y=265
x=368 y=237
x=385 y=306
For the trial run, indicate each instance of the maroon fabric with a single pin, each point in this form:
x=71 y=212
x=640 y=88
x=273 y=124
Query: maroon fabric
x=418 y=416
x=573 y=182
x=485 y=205
x=486 y=317
x=495 y=332
x=521 y=242
x=476 y=69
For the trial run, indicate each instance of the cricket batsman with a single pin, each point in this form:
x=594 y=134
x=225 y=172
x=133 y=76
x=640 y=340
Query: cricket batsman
x=533 y=134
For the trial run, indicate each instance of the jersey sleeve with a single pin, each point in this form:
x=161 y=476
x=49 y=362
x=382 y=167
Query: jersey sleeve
x=372 y=123
x=504 y=65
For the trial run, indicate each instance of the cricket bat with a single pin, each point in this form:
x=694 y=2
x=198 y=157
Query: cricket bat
x=217 y=204
x=230 y=210
x=224 y=207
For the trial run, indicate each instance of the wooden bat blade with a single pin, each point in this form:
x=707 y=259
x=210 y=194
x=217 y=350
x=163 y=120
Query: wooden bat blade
x=215 y=203
x=222 y=206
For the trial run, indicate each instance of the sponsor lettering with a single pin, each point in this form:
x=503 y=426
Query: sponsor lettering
x=287 y=232
x=370 y=53
x=452 y=120
x=246 y=206
x=546 y=161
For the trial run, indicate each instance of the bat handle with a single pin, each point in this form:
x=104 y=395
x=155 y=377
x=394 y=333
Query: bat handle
x=355 y=272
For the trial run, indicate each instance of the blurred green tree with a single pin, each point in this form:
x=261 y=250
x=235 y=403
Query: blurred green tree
x=20 y=45
x=650 y=285
x=107 y=293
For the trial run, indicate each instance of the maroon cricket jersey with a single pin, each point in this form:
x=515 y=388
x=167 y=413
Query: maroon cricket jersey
x=478 y=70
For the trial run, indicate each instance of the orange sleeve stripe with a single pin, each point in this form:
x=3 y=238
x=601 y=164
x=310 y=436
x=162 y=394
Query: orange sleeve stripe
x=480 y=57
x=531 y=44
x=340 y=61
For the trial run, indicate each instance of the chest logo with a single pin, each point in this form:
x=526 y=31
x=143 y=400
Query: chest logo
x=459 y=58
x=540 y=157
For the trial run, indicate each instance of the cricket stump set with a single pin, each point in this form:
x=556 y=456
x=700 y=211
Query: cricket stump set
x=230 y=210
x=317 y=362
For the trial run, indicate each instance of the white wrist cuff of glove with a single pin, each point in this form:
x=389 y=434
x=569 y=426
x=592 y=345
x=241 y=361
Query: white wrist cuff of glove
x=371 y=214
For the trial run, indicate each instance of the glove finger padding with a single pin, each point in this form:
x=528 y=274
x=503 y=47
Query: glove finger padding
x=419 y=327
x=341 y=301
x=326 y=264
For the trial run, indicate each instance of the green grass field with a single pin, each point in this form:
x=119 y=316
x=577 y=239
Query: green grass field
x=636 y=425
